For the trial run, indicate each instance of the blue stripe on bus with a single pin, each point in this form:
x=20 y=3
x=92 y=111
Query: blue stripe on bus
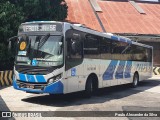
x=125 y=40
x=22 y=77
x=55 y=88
x=108 y=74
x=40 y=78
x=120 y=70
x=31 y=78
x=127 y=73
x=114 y=37
x=121 y=39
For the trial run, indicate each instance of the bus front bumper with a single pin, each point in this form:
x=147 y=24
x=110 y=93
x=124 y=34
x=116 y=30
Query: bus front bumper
x=54 y=88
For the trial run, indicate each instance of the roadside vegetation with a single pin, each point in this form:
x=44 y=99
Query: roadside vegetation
x=15 y=12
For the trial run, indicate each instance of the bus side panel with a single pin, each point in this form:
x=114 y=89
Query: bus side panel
x=116 y=72
x=92 y=66
x=144 y=70
x=74 y=77
x=77 y=76
x=108 y=71
x=123 y=72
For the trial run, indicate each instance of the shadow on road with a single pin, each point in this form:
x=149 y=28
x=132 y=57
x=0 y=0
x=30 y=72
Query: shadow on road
x=4 y=108
x=105 y=94
x=3 y=87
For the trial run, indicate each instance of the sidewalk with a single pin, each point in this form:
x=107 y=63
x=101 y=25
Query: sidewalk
x=155 y=77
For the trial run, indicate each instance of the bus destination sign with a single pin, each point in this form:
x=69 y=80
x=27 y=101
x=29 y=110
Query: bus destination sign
x=41 y=27
x=28 y=28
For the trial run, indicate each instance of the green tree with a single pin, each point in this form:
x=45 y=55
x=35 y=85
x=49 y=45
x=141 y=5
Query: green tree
x=14 y=12
x=6 y=58
x=10 y=18
x=43 y=9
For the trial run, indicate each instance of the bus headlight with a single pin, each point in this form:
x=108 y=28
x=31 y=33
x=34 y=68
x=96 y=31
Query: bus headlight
x=55 y=78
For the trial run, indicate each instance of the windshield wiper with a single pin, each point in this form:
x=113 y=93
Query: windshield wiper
x=43 y=40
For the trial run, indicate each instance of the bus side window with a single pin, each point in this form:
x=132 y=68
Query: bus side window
x=149 y=52
x=91 y=47
x=118 y=52
x=74 y=48
x=105 y=48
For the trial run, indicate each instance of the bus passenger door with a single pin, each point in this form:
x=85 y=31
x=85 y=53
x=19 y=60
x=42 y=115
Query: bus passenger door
x=73 y=62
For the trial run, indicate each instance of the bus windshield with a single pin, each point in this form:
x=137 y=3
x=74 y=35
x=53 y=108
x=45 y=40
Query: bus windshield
x=40 y=50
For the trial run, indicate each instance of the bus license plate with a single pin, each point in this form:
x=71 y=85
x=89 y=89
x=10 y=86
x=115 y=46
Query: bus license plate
x=30 y=86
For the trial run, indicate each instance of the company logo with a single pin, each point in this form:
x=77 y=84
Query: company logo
x=22 y=45
x=6 y=114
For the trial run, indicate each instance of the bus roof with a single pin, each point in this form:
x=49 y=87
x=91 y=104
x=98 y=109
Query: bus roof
x=83 y=28
x=109 y=35
x=33 y=22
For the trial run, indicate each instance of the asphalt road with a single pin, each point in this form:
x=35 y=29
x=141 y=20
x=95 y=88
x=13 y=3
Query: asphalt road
x=146 y=97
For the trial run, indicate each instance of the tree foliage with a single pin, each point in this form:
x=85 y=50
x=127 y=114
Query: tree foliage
x=6 y=58
x=14 y=12
x=43 y=9
x=10 y=18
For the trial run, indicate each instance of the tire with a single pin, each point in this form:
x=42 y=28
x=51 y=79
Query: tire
x=89 y=88
x=135 y=80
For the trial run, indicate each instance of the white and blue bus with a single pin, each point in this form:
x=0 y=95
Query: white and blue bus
x=60 y=57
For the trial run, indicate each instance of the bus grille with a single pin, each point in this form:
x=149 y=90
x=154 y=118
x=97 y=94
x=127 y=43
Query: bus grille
x=39 y=86
x=33 y=70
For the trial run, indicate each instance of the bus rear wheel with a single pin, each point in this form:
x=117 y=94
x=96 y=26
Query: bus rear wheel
x=135 y=80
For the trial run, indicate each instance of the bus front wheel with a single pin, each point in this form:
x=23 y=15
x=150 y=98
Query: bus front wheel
x=89 y=88
x=135 y=80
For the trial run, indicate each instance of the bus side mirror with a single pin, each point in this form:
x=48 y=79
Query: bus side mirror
x=10 y=41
